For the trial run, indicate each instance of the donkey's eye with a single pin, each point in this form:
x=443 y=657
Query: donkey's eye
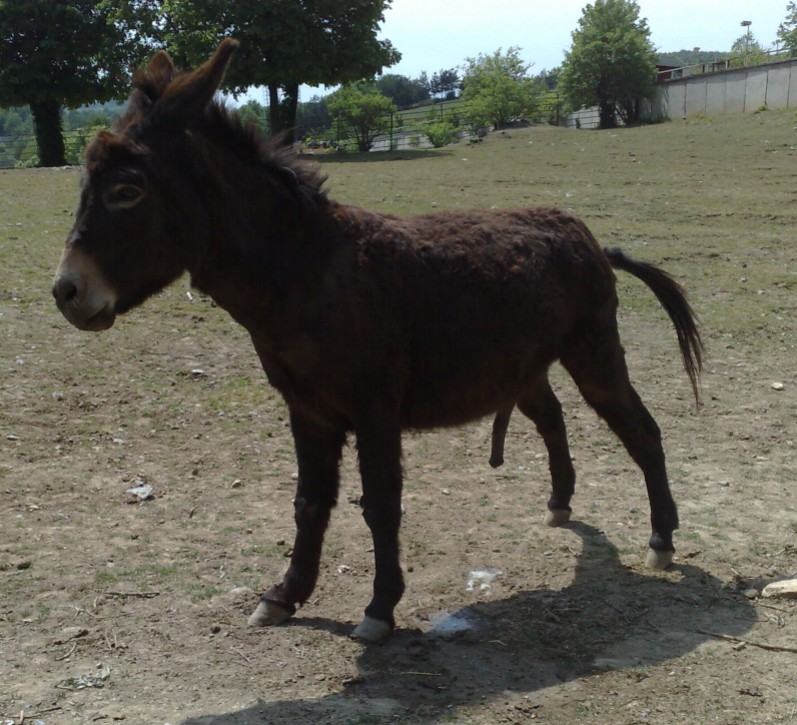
x=123 y=196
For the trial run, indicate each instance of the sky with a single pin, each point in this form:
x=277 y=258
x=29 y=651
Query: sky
x=436 y=34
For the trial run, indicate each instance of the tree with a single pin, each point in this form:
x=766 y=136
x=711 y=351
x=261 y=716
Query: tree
x=497 y=89
x=445 y=83
x=363 y=109
x=313 y=117
x=787 y=31
x=681 y=58
x=747 y=49
x=549 y=78
x=68 y=53
x=403 y=91
x=611 y=63
x=284 y=43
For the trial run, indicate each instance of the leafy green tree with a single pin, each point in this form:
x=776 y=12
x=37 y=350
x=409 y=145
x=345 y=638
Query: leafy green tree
x=748 y=50
x=363 y=109
x=313 y=117
x=284 y=43
x=611 y=64
x=787 y=31
x=497 y=89
x=403 y=91
x=68 y=53
x=549 y=78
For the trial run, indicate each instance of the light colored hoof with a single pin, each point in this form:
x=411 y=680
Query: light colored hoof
x=658 y=559
x=557 y=517
x=372 y=630
x=268 y=614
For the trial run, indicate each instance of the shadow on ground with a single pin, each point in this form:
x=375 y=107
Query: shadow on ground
x=610 y=618
x=406 y=155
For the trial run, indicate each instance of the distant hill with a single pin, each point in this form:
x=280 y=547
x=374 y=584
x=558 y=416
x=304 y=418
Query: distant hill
x=681 y=58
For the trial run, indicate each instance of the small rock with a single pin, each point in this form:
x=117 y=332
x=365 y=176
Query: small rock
x=344 y=569
x=215 y=628
x=26 y=564
x=786 y=588
x=12 y=437
x=197 y=373
x=70 y=633
x=141 y=493
x=778 y=386
x=751 y=593
x=237 y=483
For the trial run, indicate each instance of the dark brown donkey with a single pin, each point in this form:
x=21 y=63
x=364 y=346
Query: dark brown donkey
x=363 y=322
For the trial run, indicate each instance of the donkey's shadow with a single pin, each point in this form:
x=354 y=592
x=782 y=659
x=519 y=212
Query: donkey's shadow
x=610 y=618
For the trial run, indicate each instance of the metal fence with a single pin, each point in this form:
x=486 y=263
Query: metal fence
x=20 y=151
x=419 y=127
x=410 y=128
x=747 y=60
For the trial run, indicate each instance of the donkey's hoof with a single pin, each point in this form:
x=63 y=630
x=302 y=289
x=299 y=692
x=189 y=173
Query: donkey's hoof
x=557 y=517
x=659 y=559
x=372 y=630
x=268 y=614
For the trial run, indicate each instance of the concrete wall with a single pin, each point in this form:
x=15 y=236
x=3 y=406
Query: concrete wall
x=745 y=90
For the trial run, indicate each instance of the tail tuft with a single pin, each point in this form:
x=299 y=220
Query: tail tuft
x=673 y=299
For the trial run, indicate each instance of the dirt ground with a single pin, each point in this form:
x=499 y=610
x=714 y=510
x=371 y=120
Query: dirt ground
x=147 y=602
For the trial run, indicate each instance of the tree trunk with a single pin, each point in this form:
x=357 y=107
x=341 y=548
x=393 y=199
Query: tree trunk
x=282 y=113
x=49 y=136
x=290 y=103
x=608 y=116
x=274 y=115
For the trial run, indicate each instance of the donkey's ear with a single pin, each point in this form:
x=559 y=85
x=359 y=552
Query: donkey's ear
x=153 y=80
x=187 y=96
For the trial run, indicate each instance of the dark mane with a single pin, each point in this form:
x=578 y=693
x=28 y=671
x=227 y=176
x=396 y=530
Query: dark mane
x=225 y=127
x=222 y=125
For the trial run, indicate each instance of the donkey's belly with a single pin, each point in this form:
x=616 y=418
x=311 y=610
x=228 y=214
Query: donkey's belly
x=458 y=393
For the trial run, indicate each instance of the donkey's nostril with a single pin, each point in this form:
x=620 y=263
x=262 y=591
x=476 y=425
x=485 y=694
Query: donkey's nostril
x=64 y=290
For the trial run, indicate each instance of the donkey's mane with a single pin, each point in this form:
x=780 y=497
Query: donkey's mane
x=225 y=127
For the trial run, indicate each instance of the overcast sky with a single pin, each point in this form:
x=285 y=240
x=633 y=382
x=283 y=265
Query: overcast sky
x=435 y=34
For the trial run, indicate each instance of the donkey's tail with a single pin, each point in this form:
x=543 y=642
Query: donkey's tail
x=673 y=299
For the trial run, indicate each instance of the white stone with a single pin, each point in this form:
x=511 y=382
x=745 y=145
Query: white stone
x=785 y=588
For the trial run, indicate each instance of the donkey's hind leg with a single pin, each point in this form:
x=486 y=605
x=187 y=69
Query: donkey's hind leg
x=597 y=364
x=541 y=405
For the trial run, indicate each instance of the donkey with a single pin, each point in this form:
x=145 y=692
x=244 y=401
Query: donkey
x=364 y=323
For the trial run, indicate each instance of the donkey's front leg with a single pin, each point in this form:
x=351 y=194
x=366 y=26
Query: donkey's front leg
x=318 y=450
x=379 y=448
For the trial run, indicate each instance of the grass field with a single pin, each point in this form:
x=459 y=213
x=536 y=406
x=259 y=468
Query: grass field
x=573 y=629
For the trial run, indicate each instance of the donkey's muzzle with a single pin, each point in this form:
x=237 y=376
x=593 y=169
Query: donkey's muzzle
x=82 y=293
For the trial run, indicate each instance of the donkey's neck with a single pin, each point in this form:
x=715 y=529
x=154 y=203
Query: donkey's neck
x=264 y=258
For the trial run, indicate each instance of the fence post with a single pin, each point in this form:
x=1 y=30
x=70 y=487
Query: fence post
x=390 y=142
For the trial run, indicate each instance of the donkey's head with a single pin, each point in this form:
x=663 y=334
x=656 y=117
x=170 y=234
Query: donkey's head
x=136 y=227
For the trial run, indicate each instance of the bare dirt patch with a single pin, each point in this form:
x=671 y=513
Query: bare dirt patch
x=147 y=602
